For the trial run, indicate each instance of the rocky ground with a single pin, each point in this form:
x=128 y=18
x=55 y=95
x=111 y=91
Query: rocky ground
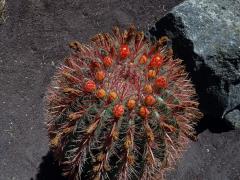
x=33 y=41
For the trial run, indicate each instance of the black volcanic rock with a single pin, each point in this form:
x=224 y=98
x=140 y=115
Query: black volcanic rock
x=206 y=35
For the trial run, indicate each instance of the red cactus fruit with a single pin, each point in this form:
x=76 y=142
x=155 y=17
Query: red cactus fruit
x=107 y=61
x=143 y=59
x=131 y=104
x=151 y=74
x=100 y=75
x=112 y=96
x=150 y=100
x=161 y=82
x=90 y=86
x=101 y=93
x=143 y=112
x=124 y=51
x=120 y=108
x=148 y=89
x=156 y=61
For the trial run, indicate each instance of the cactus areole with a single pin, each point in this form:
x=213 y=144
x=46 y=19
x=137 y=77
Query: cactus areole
x=120 y=107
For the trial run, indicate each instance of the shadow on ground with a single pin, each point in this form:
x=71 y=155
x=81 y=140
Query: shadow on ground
x=213 y=125
x=49 y=169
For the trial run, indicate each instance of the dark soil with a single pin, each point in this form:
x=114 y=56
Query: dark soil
x=33 y=41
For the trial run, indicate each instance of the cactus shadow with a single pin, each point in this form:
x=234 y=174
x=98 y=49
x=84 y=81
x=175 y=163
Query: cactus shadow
x=214 y=125
x=49 y=169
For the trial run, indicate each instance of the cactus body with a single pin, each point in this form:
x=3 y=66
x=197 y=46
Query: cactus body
x=120 y=108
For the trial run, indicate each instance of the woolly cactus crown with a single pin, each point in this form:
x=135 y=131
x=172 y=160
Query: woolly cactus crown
x=120 y=108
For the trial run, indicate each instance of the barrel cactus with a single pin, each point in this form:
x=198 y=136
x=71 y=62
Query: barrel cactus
x=120 y=107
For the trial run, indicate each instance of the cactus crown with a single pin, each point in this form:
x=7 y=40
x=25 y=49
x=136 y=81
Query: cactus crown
x=120 y=108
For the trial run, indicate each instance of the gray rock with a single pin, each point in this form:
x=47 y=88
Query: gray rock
x=234 y=117
x=206 y=35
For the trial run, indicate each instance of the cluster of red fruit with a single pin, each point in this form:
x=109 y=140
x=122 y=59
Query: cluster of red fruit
x=118 y=110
